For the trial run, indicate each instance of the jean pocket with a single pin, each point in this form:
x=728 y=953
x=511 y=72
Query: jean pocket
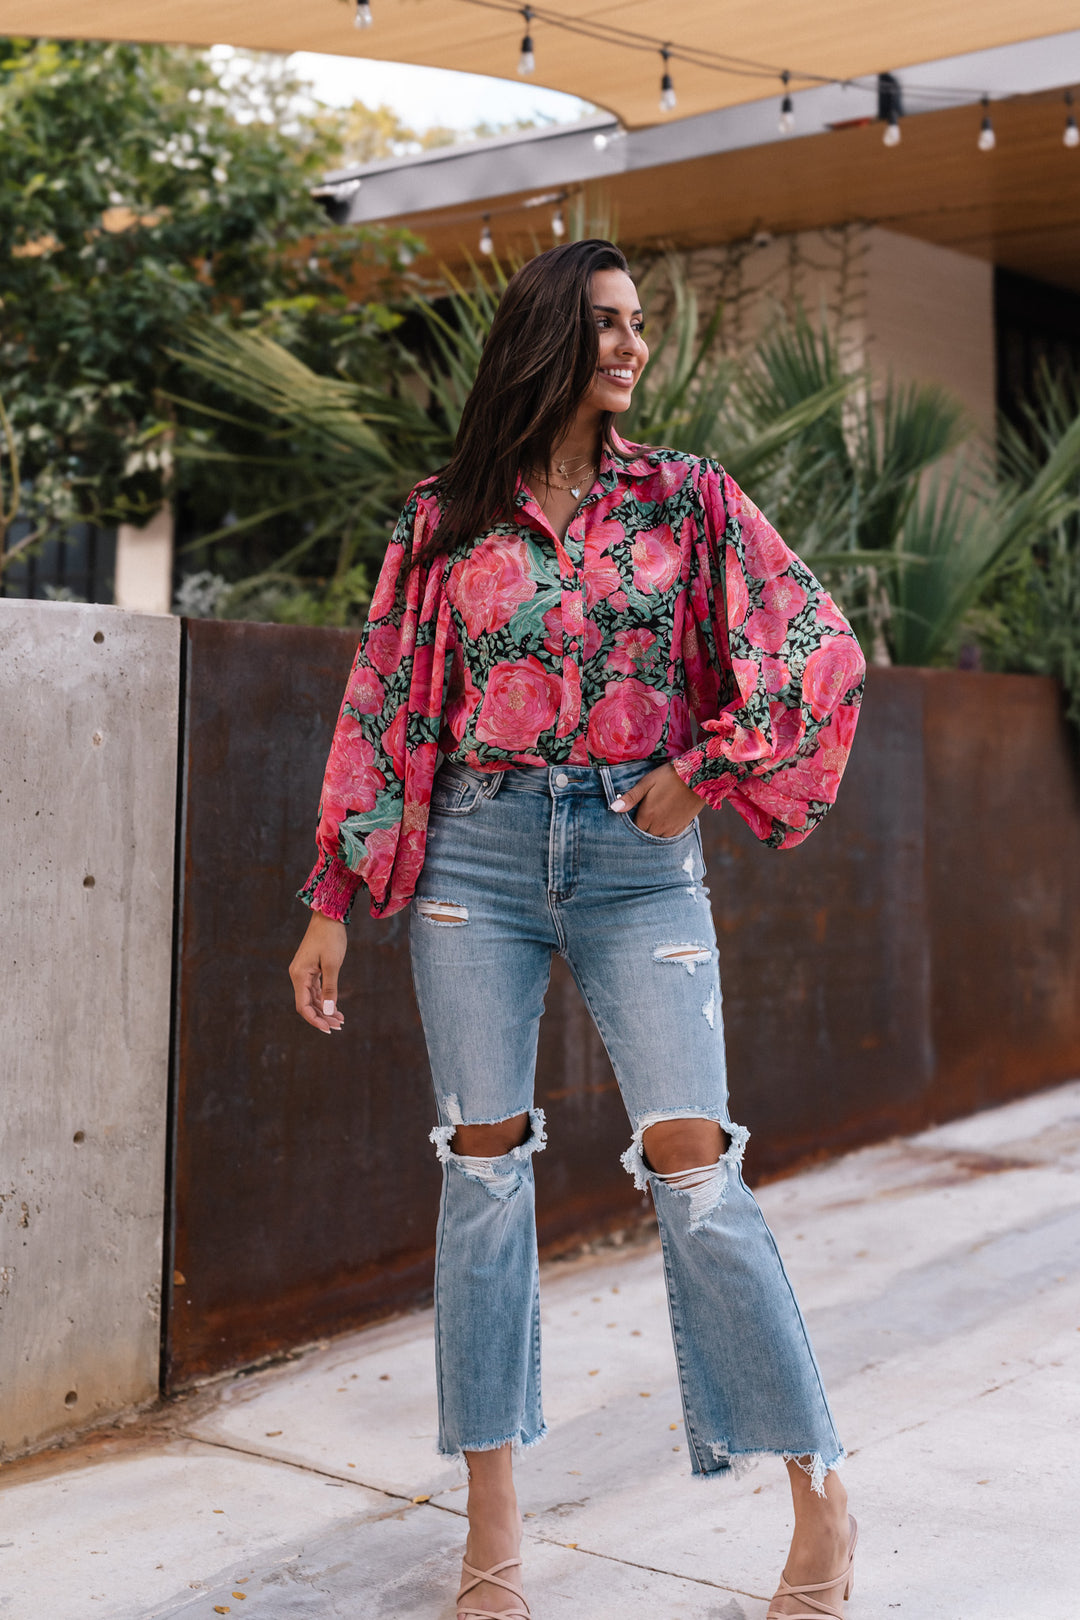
x=652 y=838
x=457 y=790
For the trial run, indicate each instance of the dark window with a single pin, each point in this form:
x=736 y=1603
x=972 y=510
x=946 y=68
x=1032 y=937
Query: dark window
x=81 y=565
x=1035 y=323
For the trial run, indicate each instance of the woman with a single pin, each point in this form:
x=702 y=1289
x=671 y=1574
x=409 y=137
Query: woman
x=556 y=611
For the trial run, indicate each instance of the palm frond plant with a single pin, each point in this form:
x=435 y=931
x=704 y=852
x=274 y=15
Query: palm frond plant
x=1027 y=617
x=354 y=448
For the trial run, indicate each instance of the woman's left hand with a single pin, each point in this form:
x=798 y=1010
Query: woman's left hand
x=666 y=806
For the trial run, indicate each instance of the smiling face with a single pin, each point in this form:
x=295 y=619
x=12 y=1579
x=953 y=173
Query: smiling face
x=623 y=350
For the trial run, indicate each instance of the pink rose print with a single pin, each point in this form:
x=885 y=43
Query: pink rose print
x=738 y=597
x=746 y=674
x=394 y=739
x=679 y=728
x=384 y=648
x=490 y=584
x=382 y=599
x=463 y=699
x=788 y=729
x=602 y=578
x=631 y=650
x=378 y=863
x=521 y=701
x=656 y=560
x=570 y=709
x=699 y=592
x=766 y=553
x=366 y=691
x=579 y=753
x=425 y=691
x=665 y=481
x=351 y=781
x=784 y=596
x=418 y=790
x=766 y=630
x=618 y=601
x=627 y=722
x=588 y=634
x=776 y=674
x=410 y=860
x=832 y=669
x=829 y=615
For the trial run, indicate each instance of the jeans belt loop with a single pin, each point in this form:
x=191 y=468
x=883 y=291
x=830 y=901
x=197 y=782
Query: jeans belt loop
x=609 y=788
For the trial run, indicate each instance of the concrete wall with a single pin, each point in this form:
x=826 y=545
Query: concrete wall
x=88 y=747
x=144 y=564
x=929 y=317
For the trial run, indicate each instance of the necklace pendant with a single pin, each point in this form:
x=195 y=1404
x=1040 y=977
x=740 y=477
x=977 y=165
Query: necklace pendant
x=576 y=493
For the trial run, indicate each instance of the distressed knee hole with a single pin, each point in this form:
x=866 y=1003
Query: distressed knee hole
x=705 y=1185
x=501 y=1174
x=688 y=956
x=443 y=913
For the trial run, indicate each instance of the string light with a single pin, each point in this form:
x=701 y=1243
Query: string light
x=987 y=138
x=722 y=62
x=605 y=138
x=787 y=106
x=889 y=107
x=1071 y=136
x=487 y=246
x=558 y=225
x=667 y=86
x=527 y=61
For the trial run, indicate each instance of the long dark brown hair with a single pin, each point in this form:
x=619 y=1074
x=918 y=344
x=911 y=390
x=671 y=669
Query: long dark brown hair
x=537 y=365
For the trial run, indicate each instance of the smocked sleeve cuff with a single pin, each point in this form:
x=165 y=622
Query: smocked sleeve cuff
x=331 y=888
x=713 y=780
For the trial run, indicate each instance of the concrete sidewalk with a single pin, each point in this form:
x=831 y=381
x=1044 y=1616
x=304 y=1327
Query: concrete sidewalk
x=939 y=1275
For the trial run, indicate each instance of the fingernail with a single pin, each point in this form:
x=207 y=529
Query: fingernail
x=618 y=804
x=327 y=1007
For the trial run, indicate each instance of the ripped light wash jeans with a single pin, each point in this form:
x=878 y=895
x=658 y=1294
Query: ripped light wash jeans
x=520 y=864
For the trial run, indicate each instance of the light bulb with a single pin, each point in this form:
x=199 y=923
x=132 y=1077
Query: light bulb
x=486 y=244
x=1071 y=136
x=667 y=86
x=787 y=108
x=891 y=136
x=987 y=138
x=600 y=141
x=363 y=18
x=558 y=225
x=527 y=61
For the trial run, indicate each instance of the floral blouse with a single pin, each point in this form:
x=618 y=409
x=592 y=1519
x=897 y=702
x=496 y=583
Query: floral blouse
x=672 y=623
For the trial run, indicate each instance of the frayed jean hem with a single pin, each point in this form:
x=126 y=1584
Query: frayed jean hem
x=517 y=1442
x=734 y=1465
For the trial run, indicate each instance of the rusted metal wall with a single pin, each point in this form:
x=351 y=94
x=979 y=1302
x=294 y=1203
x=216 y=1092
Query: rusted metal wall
x=917 y=958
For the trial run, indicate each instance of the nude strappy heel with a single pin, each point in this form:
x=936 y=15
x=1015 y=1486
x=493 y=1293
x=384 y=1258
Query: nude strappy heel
x=816 y=1609
x=492 y=1576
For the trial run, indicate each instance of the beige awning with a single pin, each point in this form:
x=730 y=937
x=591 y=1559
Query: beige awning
x=845 y=39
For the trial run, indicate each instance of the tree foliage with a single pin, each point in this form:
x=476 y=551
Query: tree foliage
x=136 y=194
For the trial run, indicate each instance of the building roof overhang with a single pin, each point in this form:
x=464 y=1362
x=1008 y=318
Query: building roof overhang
x=722 y=56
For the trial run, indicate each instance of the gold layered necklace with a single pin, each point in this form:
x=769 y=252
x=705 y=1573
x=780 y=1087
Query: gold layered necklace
x=580 y=474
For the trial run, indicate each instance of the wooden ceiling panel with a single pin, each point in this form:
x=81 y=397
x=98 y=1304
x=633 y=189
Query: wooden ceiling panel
x=1018 y=206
